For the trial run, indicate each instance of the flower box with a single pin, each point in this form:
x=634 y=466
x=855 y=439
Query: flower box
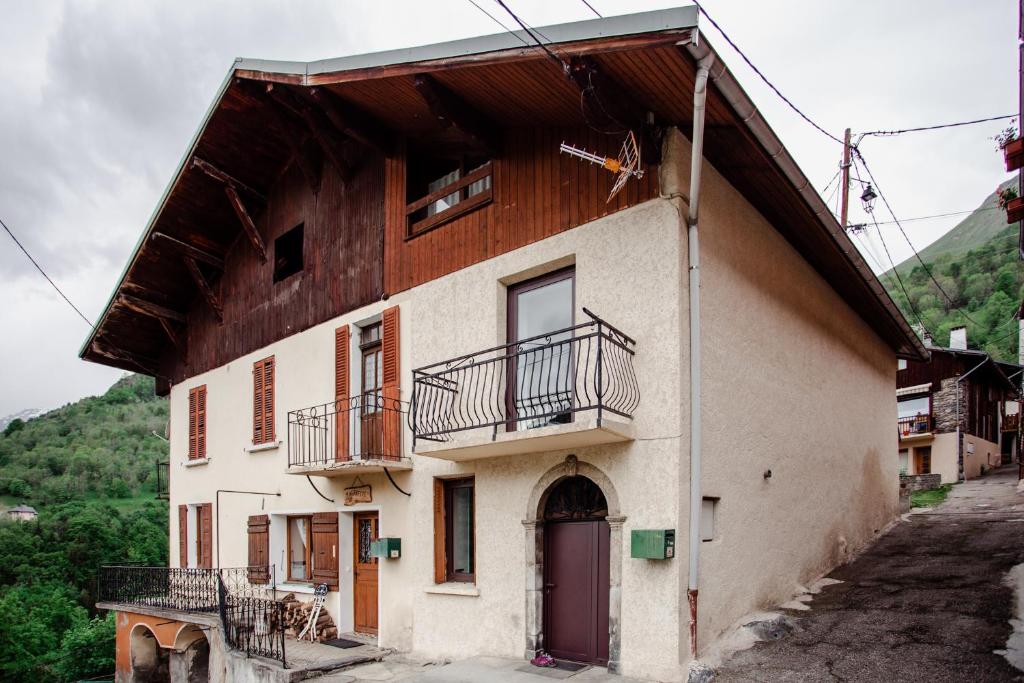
x=1015 y=210
x=1013 y=153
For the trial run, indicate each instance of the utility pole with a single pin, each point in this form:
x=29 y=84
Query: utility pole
x=845 y=189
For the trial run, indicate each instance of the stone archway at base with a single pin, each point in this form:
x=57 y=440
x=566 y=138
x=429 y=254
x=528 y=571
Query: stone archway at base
x=533 y=525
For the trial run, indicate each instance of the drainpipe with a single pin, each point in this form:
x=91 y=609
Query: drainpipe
x=693 y=255
x=959 y=439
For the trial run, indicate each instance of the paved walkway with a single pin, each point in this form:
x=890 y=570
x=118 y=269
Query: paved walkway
x=472 y=670
x=928 y=602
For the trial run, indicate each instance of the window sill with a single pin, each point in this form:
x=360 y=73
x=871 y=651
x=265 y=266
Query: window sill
x=453 y=588
x=307 y=588
x=259 y=448
x=197 y=462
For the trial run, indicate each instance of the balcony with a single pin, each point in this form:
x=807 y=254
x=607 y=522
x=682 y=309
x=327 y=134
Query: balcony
x=1010 y=423
x=916 y=427
x=570 y=388
x=359 y=434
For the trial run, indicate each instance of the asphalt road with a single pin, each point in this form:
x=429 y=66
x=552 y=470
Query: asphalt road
x=927 y=602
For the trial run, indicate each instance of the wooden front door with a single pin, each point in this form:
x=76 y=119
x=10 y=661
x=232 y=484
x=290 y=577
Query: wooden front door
x=576 y=588
x=365 y=573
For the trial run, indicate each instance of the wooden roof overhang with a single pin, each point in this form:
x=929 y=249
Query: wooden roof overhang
x=269 y=115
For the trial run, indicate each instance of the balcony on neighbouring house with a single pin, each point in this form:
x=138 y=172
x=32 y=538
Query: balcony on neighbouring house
x=362 y=433
x=1010 y=423
x=569 y=388
x=914 y=427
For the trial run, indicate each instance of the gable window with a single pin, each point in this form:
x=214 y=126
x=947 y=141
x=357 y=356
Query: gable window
x=288 y=253
x=454 y=530
x=300 y=542
x=197 y=423
x=440 y=189
x=263 y=401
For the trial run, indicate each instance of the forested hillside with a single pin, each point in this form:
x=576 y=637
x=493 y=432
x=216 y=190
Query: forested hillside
x=974 y=268
x=89 y=469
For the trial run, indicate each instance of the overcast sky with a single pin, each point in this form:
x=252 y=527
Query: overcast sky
x=100 y=100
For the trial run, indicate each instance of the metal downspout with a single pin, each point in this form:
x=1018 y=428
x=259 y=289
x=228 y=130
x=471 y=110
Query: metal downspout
x=693 y=256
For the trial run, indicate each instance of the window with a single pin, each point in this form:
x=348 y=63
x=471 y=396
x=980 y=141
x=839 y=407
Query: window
x=372 y=402
x=441 y=189
x=541 y=374
x=300 y=559
x=263 y=401
x=454 y=533
x=912 y=407
x=901 y=364
x=904 y=460
x=197 y=423
x=288 y=254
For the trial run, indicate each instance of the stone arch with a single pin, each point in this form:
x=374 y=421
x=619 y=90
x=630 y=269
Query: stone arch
x=533 y=525
x=149 y=661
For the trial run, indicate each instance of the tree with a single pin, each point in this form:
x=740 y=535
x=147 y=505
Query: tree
x=87 y=649
x=15 y=425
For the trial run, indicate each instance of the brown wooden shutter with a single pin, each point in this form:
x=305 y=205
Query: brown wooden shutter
x=201 y=421
x=183 y=536
x=192 y=423
x=263 y=401
x=205 y=514
x=325 y=549
x=390 y=381
x=259 y=549
x=440 y=575
x=341 y=392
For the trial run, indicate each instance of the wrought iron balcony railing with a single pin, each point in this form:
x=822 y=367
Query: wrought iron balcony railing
x=364 y=427
x=180 y=589
x=1010 y=423
x=914 y=426
x=535 y=382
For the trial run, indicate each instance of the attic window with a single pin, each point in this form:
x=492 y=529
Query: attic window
x=440 y=189
x=288 y=254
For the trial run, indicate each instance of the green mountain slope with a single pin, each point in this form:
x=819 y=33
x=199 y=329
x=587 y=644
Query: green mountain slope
x=976 y=280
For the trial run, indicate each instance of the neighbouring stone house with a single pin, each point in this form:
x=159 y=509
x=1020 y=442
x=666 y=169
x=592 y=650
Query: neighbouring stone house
x=958 y=412
x=418 y=356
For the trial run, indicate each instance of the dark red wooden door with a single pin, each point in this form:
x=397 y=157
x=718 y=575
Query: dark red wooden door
x=576 y=591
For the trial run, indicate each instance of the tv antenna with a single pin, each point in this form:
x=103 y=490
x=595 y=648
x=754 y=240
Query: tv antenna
x=625 y=166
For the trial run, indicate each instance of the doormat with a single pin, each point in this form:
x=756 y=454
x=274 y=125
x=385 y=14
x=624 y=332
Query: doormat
x=561 y=671
x=343 y=643
x=566 y=665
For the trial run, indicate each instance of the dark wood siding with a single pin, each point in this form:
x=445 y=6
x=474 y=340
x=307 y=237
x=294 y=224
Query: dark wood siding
x=342 y=268
x=537 y=193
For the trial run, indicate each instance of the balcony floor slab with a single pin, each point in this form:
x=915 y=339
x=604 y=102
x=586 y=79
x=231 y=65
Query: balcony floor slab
x=343 y=468
x=582 y=432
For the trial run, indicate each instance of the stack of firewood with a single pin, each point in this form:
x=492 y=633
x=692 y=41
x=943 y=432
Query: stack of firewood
x=296 y=614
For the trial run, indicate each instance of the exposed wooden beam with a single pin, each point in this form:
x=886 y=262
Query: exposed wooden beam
x=317 y=124
x=149 y=366
x=226 y=178
x=176 y=339
x=452 y=110
x=149 y=308
x=189 y=251
x=204 y=288
x=353 y=123
x=247 y=223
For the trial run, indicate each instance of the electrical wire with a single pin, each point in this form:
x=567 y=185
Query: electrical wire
x=558 y=60
x=43 y=273
x=499 y=22
x=857 y=155
x=591 y=8
x=935 y=215
x=910 y=303
x=764 y=78
x=938 y=126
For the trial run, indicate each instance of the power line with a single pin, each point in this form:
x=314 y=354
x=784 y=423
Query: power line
x=938 y=126
x=498 y=22
x=936 y=215
x=43 y=272
x=561 y=63
x=858 y=155
x=764 y=78
x=910 y=303
x=591 y=7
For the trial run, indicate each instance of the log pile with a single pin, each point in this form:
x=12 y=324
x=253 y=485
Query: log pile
x=296 y=614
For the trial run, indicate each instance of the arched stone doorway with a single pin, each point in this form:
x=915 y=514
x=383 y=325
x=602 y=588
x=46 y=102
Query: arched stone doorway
x=150 y=662
x=590 y=498
x=190 y=660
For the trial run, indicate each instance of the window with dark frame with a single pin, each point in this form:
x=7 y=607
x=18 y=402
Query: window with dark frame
x=459 y=530
x=300 y=544
x=288 y=254
x=440 y=189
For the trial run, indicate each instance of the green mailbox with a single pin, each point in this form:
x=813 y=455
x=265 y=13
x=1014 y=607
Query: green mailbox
x=386 y=548
x=653 y=544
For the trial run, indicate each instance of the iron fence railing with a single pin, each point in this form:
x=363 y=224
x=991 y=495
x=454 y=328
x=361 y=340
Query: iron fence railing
x=915 y=425
x=364 y=427
x=254 y=625
x=531 y=383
